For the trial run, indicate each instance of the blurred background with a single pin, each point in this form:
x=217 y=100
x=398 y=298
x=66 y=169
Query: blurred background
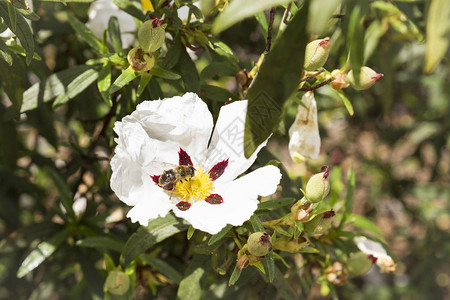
x=398 y=142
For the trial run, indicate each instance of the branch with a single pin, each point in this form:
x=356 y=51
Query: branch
x=315 y=87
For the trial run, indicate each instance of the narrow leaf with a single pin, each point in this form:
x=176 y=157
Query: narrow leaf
x=114 y=34
x=256 y=223
x=78 y=85
x=217 y=237
x=351 y=182
x=262 y=20
x=5 y=53
x=348 y=105
x=130 y=7
x=238 y=10
x=41 y=252
x=162 y=267
x=216 y=93
x=270 y=263
x=234 y=276
x=159 y=72
x=101 y=242
x=143 y=83
x=437 y=33
x=191 y=285
x=63 y=190
x=320 y=12
x=85 y=33
x=276 y=203
x=277 y=79
x=156 y=231
x=123 y=79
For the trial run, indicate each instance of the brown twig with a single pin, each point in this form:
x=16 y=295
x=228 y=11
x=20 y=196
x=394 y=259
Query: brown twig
x=315 y=87
x=286 y=15
x=269 y=30
x=312 y=76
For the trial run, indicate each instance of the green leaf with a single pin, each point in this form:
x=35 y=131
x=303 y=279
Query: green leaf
x=101 y=242
x=284 y=289
x=63 y=190
x=124 y=78
x=355 y=37
x=191 y=286
x=218 y=69
x=12 y=16
x=262 y=20
x=437 y=33
x=130 y=7
x=21 y=30
x=162 y=267
x=348 y=105
x=256 y=223
x=159 y=72
x=114 y=34
x=320 y=12
x=238 y=10
x=234 y=276
x=277 y=79
x=174 y=52
x=110 y=266
x=23 y=8
x=365 y=224
x=188 y=72
x=216 y=93
x=190 y=232
x=77 y=85
x=351 y=182
x=217 y=237
x=276 y=203
x=270 y=263
x=156 y=231
x=223 y=50
x=143 y=83
x=51 y=87
x=41 y=252
x=104 y=82
x=85 y=33
x=5 y=53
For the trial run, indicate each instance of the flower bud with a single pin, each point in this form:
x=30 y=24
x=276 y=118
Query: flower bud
x=259 y=243
x=316 y=54
x=300 y=210
x=151 y=35
x=337 y=274
x=242 y=262
x=367 y=78
x=340 y=80
x=139 y=60
x=320 y=224
x=318 y=186
x=359 y=263
x=117 y=283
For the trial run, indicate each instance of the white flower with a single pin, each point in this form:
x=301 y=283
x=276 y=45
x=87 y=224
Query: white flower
x=177 y=131
x=304 y=133
x=101 y=11
x=375 y=249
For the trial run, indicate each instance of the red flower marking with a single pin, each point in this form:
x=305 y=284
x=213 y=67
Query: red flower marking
x=214 y=199
x=325 y=169
x=184 y=158
x=328 y=214
x=218 y=169
x=155 y=178
x=183 y=205
x=373 y=258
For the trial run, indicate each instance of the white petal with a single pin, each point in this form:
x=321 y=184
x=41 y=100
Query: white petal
x=152 y=206
x=370 y=247
x=304 y=133
x=228 y=142
x=240 y=200
x=99 y=14
x=185 y=121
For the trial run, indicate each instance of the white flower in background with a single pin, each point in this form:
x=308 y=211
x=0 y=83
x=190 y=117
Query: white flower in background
x=375 y=249
x=177 y=131
x=304 y=133
x=101 y=11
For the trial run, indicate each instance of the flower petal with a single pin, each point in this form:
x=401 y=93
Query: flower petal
x=185 y=121
x=156 y=204
x=304 y=132
x=240 y=200
x=228 y=141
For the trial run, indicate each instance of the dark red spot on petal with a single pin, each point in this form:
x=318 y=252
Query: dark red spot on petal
x=373 y=258
x=218 y=169
x=184 y=158
x=183 y=205
x=329 y=214
x=155 y=178
x=214 y=199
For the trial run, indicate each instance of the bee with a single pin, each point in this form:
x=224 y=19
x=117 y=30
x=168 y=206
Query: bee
x=169 y=178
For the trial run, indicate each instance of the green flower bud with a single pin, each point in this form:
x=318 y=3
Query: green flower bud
x=367 y=78
x=359 y=263
x=318 y=186
x=316 y=54
x=117 y=283
x=320 y=224
x=151 y=36
x=259 y=244
x=139 y=60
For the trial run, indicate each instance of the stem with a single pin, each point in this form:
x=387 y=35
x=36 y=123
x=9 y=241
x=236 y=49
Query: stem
x=312 y=76
x=269 y=30
x=315 y=87
x=286 y=15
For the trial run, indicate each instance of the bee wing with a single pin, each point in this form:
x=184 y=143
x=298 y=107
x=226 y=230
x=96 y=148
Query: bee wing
x=158 y=167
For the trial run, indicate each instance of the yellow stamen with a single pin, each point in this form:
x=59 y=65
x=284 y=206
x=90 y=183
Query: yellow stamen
x=194 y=189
